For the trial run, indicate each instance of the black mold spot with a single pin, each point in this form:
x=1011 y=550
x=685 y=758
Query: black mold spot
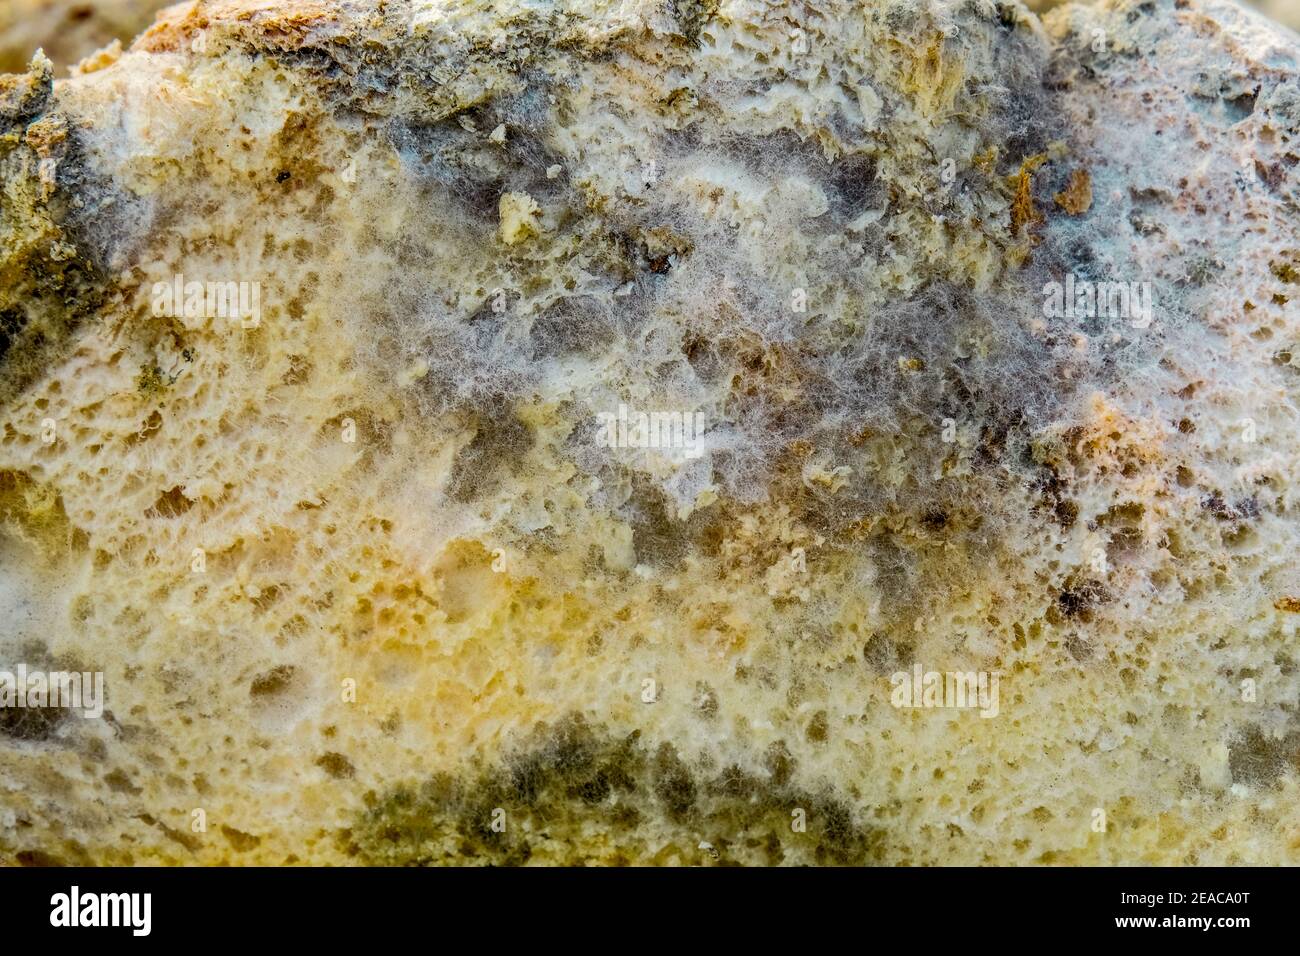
x=1078 y=600
x=12 y=322
x=1242 y=509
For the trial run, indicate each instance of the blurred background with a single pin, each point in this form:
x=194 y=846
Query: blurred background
x=1283 y=11
x=71 y=29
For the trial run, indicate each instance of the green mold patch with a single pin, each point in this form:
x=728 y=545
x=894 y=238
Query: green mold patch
x=573 y=794
x=49 y=285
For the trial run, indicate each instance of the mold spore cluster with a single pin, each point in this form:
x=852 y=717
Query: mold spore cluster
x=366 y=573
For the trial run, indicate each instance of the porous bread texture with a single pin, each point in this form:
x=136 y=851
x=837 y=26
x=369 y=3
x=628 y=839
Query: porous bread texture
x=498 y=585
